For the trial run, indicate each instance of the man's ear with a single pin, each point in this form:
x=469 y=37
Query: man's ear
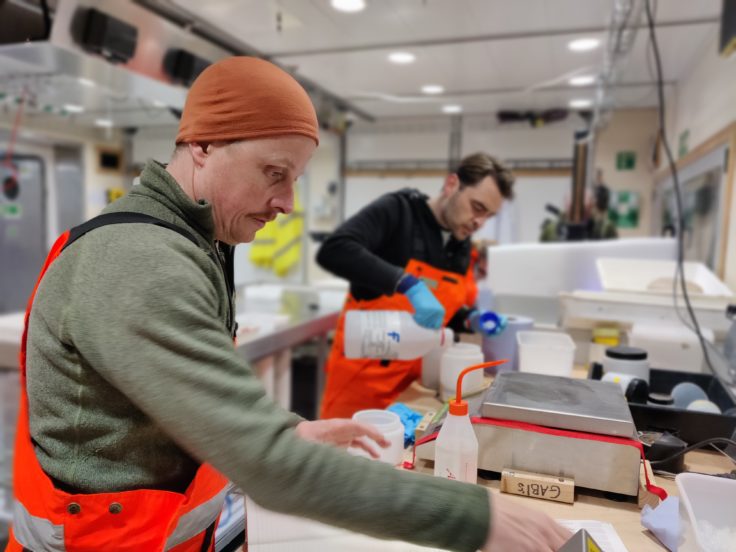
x=452 y=183
x=199 y=151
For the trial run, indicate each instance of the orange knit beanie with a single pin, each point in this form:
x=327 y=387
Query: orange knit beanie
x=241 y=98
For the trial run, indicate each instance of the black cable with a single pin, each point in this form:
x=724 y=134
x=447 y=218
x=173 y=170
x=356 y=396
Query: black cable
x=680 y=271
x=701 y=444
x=46 y=19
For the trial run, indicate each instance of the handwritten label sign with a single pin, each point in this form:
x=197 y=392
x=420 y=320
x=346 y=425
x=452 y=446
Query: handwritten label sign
x=535 y=485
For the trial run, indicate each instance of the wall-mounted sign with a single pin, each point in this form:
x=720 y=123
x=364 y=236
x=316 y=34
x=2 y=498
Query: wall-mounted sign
x=624 y=208
x=626 y=161
x=11 y=210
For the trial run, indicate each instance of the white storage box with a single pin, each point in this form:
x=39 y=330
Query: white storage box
x=547 y=353
x=669 y=346
x=656 y=276
x=707 y=512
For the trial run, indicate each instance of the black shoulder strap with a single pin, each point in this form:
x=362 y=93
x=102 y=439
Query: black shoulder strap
x=122 y=218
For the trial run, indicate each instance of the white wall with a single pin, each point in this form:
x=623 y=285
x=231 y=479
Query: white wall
x=154 y=143
x=362 y=190
x=706 y=97
x=428 y=139
x=705 y=104
x=630 y=130
x=527 y=211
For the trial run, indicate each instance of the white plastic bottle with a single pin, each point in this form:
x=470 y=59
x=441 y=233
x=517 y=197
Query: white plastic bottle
x=391 y=335
x=456 y=446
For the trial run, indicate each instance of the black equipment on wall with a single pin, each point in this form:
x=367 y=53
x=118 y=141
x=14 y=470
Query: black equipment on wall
x=183 y=66
x=103 y=34
x=727 y=44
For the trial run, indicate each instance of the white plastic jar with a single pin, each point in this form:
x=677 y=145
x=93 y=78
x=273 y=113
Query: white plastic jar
x=389 y=425
x=455 y=359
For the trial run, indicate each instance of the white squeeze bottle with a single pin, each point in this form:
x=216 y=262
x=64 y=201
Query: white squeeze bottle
x=456 y=447
x=390 y=335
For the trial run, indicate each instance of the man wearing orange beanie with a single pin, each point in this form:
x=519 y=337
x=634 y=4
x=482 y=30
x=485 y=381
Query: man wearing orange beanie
x=136 y=409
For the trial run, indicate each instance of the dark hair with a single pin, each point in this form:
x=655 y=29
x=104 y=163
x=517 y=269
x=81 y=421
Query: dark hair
x=476 y=167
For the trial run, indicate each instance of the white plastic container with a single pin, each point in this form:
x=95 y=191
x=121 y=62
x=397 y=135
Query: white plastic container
x=707 y=512
x=627 y=360
x=389 y=335
x=455 y=359
x=456 y=447
x=390 y=426
x=655 y=276
x=671 y=346
x=431 y=362
x=546 y=353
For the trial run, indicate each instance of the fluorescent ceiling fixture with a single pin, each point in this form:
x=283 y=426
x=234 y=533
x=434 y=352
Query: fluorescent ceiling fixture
x=158 y=103
x=452 y=109
x=401 y=57
x=105 y=123
x=583 y=44
x=71 y=108
x=349 y=6
x=580 y=104
x=582 y=80
x=86 y=82
x=433 y=89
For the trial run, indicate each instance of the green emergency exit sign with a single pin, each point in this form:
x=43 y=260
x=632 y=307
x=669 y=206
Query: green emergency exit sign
x=11 y=210
x=625 y=160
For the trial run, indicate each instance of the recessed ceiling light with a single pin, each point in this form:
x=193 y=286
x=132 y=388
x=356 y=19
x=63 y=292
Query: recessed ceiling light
x=583 y=44
x=158 y=103
x=580 y=103
x=401 y=57
x=104 y=123
x=582 y=80
x=86 y=82
x=452 y=109
x=349 y=6
x=71 y=108
x=433 y=89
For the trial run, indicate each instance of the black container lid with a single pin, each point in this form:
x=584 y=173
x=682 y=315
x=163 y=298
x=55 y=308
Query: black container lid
x=623 y=352
x=661 y=398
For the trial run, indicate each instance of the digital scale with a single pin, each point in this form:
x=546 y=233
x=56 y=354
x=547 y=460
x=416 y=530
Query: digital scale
x=574 y=428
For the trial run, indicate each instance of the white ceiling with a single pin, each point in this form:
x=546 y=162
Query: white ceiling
x=488 y=54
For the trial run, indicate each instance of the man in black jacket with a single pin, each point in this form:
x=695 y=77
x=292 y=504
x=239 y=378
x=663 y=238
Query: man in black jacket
x=408 y=252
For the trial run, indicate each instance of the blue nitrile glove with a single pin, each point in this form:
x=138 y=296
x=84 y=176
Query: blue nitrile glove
x=428 y=311
x=487 y=322
x=410 y=418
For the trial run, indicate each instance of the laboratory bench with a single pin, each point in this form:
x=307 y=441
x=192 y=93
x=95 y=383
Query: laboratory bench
x=589 y=505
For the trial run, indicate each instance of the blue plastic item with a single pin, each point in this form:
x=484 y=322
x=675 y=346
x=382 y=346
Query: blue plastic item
x=487 y=322
x=410 y=418
x=428 y=311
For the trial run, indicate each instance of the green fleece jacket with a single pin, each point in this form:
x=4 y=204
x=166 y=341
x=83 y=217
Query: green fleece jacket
x=133 y=380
